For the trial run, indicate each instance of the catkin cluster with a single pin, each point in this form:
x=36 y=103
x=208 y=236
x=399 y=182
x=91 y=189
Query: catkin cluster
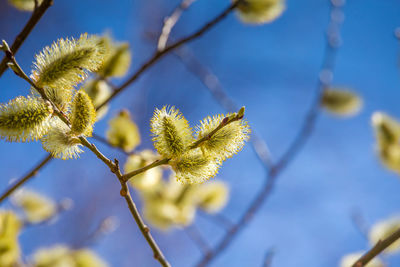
x=57 y=71
x=196 y=157
x=166 y=202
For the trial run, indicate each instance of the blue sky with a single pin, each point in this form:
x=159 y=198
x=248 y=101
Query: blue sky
x=270 y=69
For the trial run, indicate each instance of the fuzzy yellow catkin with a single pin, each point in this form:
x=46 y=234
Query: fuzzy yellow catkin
x=87 y=258
x=194 y=167
x=212 y=196
x=165 y=214
x=387 y=133
x=60 y=143
x=387 y=129
x=24 y=5
x=349 y=259
x=117 y=60
x=36 y=207
x=60 y=97
x=10 y=226
x=83 y=114
x=24 y=119
x=225 y=142
x=66 y=63
x=147 y=180
x=170 y=204
x=59 y=255
x=123 y=132
x=98 y=91
x=384 y=229
x=171 y=131
x=341 y=102
x=260 y=11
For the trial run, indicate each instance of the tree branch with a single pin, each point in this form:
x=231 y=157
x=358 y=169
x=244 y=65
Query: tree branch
x=194 y=234
x=170 y=21
x=113 y=165
x=159 y=54
x=324 y=81
x=34 y=19
x=378 y=248
x=25 y=178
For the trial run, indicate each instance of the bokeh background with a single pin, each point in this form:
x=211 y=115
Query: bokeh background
x=270 y=69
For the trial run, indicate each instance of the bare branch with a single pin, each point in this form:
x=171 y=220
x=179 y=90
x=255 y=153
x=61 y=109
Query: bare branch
x=25 y=178
x=19 y=40
x=194 y=234
x=170 y=21
x=378 y=248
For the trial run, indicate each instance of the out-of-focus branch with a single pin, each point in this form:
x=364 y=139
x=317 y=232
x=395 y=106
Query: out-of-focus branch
x=19 y=40
x=324 y=81
x=377 y=249
x=170 y=21
x=213 y=84
x=269 y=255
x=194 y=234
x=26 y=178
x=159 y=54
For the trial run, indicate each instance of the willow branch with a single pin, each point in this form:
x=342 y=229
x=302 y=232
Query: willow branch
x=170 y=21
x=324 y=81
x=159 y=54
x=113 y=165
x=377 y=249
x=25 y=178
x=19 y=40
x=225 y=121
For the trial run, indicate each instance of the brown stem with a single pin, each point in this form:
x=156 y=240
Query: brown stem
x=158 y=255
x=34 y=19
x=25 y=178
x=378 y=248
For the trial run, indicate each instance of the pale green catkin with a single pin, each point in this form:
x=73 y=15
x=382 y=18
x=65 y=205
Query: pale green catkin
x=225 y=142
x=171 y=131
x=24 y=119
x=83 y=114
x=60 y=143
x=65 y=63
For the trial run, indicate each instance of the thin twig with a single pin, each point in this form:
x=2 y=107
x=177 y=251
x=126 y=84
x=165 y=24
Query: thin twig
x=377 y=249
x=159 y=54
x=26 y=178
x=34 y=19
x=213 y=84
x=324 y=81
x=194 y=234
x=359 y=223
x=170 y=21
x=218 y=219
x=269 y=255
